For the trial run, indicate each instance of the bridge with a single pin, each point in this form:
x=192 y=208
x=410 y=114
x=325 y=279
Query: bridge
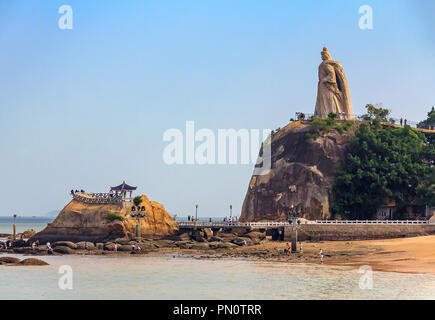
x=425 y=131
x=319 y=229
x=276 y=224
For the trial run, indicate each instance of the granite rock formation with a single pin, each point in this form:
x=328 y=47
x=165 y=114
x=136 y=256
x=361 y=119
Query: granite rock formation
x=301 y=177
x=80 y=221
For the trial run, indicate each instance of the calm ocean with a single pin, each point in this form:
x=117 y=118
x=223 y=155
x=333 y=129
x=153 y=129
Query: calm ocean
x=169 y=277
x=24 y=223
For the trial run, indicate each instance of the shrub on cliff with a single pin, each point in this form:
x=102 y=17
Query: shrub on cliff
x=320 y=125
x=112 y=216
x=137 y=201
x=382 y=164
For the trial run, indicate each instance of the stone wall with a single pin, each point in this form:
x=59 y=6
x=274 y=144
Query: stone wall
x=358 y=232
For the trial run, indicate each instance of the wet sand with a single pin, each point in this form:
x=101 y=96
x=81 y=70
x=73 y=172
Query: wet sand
x=406 y=255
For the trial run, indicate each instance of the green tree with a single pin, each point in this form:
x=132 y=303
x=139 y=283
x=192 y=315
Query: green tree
x=382 y=164
x=137 y=201
x=429 y=122
x=376 y=114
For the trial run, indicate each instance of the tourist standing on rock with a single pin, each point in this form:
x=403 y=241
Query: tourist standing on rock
x=300 y=247
x=401 y=121
x=49 y=248
x=115 y=248
x=133 y=247
x=288 y=248
x=321 y=256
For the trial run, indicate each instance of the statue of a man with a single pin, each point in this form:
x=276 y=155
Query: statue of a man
x=333 y=90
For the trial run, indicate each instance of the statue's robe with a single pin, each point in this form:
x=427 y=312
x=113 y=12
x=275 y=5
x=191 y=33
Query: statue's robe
x=333 y=91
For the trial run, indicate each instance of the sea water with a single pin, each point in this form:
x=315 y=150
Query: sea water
x=173 y=277
x=23 y=224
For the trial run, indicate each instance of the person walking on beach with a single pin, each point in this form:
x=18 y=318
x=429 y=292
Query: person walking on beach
x=321 y=256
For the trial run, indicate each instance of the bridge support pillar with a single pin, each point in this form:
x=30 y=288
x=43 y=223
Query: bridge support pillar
x=294 y=238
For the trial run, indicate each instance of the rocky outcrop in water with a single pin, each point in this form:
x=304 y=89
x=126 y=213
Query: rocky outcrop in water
x=302 y=174
x=80 y=221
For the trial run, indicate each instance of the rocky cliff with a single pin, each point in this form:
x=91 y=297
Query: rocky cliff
x=301 y=176
x=80 y=221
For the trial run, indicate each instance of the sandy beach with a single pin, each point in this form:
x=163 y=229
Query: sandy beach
x=405 y=255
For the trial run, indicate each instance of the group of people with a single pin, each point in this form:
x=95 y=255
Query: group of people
x=6 y=244
x=73 y=192
x=301 y=116
x=403 y=121
x=288 y=250
x=135 y=248
x=231 y=219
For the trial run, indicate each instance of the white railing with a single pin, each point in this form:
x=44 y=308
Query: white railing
x=266 y=224
x=369 y=222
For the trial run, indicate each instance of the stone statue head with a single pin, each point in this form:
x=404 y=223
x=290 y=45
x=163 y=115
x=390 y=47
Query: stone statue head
x=325 y=54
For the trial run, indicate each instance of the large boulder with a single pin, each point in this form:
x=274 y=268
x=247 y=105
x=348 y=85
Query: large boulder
x=301 y=176
x=63 y=250
x=208 y=233
x=9 y=260
x=68 y=244
x=80 y=221
x=124 y=247
x=19 y=243
x=33 y=262
x=180 y=237
x=85 y=245
x=256 y=236
x=109 y=246
x=28 y=234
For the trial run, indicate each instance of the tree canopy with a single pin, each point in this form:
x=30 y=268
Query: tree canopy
x=384 y=164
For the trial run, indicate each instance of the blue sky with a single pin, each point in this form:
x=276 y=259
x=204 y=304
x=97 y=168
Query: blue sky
x=87 y=108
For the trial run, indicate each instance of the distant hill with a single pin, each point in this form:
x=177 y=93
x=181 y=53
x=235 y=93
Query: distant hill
x=52 y=213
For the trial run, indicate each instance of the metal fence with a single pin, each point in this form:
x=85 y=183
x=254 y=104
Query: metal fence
x=360 y=117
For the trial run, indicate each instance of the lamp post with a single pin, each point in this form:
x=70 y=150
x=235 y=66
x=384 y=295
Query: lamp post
x=231 y=210
x=196 y=212
x=292 y=217
x=138 y=216
x=15 y=226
